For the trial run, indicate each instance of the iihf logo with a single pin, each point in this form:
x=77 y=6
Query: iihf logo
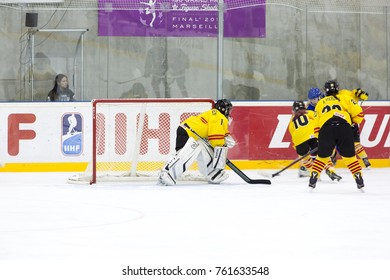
x=149 y=15
x=72 y=134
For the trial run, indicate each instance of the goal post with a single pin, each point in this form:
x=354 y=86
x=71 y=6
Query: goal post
x=133 y=138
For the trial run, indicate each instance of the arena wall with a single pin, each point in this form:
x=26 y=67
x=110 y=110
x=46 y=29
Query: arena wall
x=34 y=137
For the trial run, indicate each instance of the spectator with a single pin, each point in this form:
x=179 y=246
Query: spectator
x=156 y=66
x=60 y=91
x=177 y=65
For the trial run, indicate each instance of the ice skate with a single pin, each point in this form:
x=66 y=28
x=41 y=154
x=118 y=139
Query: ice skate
x=332 y=175
x=359 y=180
x=366 y=162
x=303 y=172
x=313 y=179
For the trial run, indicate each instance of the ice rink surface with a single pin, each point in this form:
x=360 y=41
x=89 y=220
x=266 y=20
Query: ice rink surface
x=50 y=229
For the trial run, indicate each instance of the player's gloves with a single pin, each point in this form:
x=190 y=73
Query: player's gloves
x=361 y=94
x=229 y=141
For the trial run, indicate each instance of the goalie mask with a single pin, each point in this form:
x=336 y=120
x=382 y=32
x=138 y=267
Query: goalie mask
x=298 y=105
x=331 y=87
x=224 y=106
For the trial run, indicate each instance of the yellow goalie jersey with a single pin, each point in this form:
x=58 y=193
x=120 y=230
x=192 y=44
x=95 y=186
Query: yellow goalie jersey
x=212 y=125
x=302 y=128
x=344 y=106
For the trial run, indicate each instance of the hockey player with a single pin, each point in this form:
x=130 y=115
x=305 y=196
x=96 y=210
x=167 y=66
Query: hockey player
x=334 y=115
x=357 y=95
x=314 y=95
x=211 y=125
x=304 y=138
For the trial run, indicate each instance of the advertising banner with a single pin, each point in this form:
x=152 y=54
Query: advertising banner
x=262 y=131
x=181 y=18
x=29 y=1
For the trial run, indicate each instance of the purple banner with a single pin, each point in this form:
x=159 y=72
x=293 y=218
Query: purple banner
x=181 y=18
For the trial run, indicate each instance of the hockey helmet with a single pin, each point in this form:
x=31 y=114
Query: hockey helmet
x=224 y=106
x=331 y=87
x=314 y=93
x=298 y=105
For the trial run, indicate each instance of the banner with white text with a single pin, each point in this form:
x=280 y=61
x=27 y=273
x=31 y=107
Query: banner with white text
x=181 y=18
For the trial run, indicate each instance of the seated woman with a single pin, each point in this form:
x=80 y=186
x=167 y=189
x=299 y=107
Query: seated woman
x=60 y=91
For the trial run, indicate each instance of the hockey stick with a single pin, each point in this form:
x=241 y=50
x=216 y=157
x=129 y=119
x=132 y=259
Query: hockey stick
x=232 y=165
x=244 y=177
x=294 y=162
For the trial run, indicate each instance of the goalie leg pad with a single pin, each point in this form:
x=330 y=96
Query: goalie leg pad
x=219 y=158
x=217 y=176
x=205 y=158
x=179 y=163
x=209 y=159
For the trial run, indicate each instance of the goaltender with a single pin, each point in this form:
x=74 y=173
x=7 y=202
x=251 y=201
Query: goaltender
x=212 y=126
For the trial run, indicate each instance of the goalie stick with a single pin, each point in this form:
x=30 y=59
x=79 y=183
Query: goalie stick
x=244 y=177
x=232 y=165
x=292 y=163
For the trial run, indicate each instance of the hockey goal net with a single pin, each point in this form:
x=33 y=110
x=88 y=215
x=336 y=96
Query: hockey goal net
x=133 y=138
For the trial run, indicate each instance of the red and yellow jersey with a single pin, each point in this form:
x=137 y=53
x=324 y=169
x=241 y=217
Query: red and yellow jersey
x=302 y=128
x=212 y=125
x=344 y=106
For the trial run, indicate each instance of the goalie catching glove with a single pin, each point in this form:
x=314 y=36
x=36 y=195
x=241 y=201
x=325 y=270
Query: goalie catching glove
x=229 y=141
